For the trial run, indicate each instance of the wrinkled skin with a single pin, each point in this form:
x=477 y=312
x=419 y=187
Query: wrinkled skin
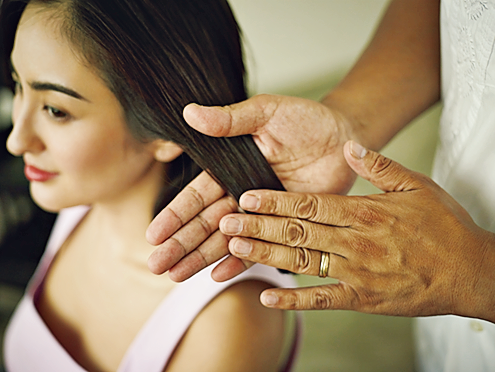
x=411 y=251
x=301 y=139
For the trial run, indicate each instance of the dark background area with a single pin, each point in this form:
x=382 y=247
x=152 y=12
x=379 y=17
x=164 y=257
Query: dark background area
x=24 y=227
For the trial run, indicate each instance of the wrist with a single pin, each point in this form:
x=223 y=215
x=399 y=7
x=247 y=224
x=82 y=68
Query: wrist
x=479 y=301
x=355 y=118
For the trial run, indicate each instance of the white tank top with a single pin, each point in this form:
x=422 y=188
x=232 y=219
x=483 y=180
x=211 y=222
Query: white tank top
x=30 y=346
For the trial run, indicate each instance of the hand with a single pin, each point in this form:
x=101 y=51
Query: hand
x=188 y=228
x=303 y=141
x=411 y=251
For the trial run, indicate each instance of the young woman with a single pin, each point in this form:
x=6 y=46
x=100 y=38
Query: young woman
x=99 y=90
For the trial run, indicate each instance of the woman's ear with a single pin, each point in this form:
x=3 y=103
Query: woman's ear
x=165 y=151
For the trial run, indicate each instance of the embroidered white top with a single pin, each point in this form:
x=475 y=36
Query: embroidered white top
x=465 y=168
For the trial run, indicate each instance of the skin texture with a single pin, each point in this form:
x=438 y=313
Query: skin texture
x=98 y=292
x=396 y=78
x=411 y=251
x=321 y=162
x=390 y=252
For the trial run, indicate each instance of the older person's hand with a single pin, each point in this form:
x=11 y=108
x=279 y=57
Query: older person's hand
x=301 y=139
x=411 y=251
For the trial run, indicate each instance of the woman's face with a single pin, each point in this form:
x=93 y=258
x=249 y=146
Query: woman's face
x=68 y=126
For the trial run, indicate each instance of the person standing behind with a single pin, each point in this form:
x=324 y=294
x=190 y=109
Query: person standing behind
x=423 y=248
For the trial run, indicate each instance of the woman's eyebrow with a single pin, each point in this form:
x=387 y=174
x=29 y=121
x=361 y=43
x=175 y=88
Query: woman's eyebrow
x=44 y=86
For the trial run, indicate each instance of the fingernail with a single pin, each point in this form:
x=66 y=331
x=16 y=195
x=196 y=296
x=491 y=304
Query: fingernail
x=249 y=202
x=358 y=151
x=231 y=226
x=242 y=247
x=269 y=299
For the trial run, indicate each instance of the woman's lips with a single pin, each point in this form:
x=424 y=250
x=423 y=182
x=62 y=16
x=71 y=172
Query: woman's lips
x=38 y=175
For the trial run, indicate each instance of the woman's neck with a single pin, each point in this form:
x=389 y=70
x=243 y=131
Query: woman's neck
x=120 y=223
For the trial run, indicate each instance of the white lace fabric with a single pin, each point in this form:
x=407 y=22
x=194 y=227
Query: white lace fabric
x=465 y=167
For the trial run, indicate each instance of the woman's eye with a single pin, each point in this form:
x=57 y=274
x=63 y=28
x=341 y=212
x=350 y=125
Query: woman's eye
x=55 y=113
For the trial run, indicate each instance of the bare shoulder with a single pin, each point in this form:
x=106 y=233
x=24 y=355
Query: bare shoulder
x=233 y=333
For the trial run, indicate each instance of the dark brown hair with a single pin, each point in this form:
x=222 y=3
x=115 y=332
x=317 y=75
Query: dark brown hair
x=157 y=56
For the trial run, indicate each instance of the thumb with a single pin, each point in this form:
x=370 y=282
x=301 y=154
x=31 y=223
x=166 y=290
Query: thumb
x=246 y=117
x=382 y=172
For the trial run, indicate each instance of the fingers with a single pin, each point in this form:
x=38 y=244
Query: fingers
x=195 y=197
x=229 y=268
x=211 y=250
x=382 y=172
x=201 y=233
x=326 y=297
x=290 y=232
x=246 y=117
x=310 y=207
x=297 y=260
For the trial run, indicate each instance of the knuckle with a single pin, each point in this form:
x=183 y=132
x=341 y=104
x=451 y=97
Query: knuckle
x=175 y=242
x=197 y=202
x=302 y=261
x=381 y=164
x=255 y=227
x=320 y=300
x=264 y=253
x=307 y=207
x=199 y=257
x=268 y=103
x=307 y=299
x=177 y=216
x=294 y=233
x=369 y=249
x=270 y=205
x=293 y=301
x=204 y=224
x=367 y=214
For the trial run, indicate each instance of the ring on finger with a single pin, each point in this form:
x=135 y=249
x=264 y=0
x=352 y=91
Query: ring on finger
x=324 y=264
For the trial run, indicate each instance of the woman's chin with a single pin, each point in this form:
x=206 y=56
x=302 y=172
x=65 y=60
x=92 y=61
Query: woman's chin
x=47 y=207
x=51 y=204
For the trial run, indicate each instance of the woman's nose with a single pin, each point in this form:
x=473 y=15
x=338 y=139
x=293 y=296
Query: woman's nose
x=23 y=137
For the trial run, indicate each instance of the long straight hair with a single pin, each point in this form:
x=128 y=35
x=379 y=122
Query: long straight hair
x=157 y=56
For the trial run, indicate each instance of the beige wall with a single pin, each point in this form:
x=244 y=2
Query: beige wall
x=293 y=42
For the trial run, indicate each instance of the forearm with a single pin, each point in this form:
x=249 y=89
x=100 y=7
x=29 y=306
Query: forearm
x=398 y=75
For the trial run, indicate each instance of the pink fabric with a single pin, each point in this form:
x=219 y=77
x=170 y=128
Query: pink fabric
x=30 y=346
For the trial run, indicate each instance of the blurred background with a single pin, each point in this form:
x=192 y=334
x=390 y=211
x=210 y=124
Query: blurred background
x=24 y=227
x=293 y=47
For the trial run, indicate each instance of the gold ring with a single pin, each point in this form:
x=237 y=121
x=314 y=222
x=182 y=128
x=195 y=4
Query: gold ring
x=324 y=264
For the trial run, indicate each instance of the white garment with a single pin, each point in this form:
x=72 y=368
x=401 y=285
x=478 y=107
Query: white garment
x=465 y=168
